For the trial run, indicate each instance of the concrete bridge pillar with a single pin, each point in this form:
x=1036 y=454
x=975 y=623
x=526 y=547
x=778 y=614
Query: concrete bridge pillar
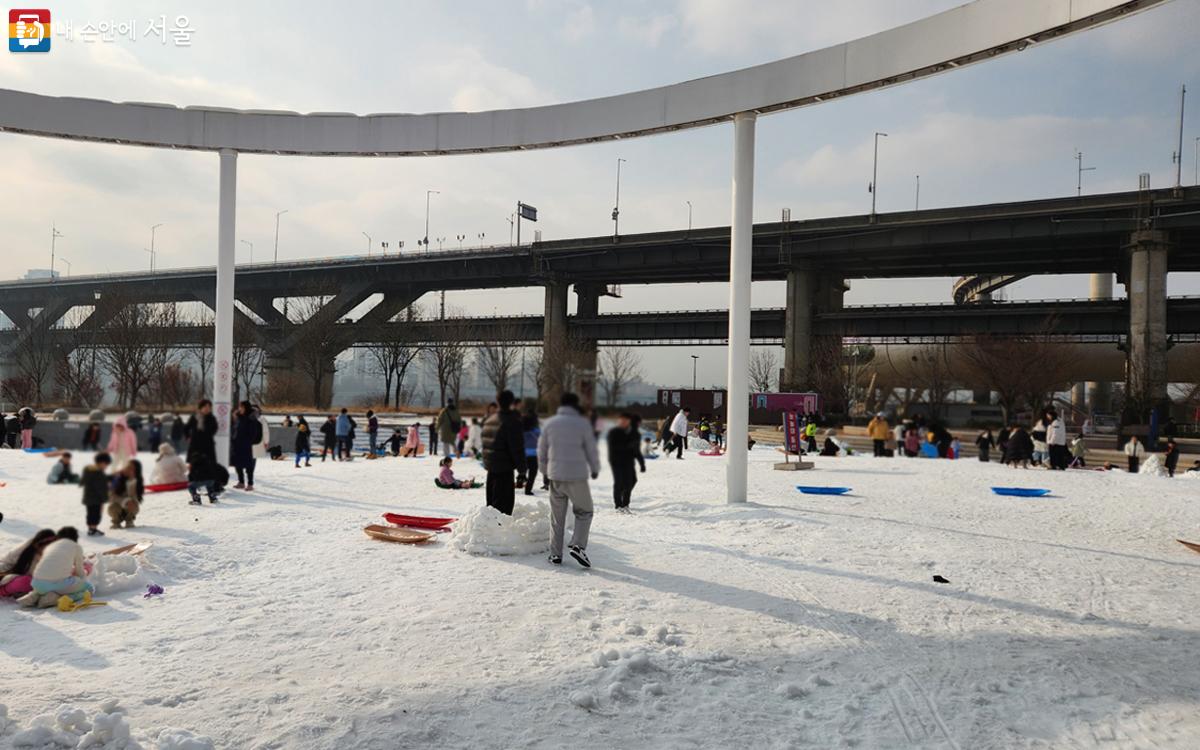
x=1146 y=358
x=587 y=305
x=1099 y=394
x=808 y=292
x=555 y=343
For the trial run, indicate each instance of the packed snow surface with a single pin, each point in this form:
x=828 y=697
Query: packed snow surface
x=791 y=621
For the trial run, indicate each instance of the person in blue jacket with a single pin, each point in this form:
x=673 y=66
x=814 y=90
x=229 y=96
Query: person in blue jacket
x=531 y=431
x=345 y=427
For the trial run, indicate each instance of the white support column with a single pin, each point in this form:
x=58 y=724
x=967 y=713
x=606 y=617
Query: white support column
x=741 y=251
x=223 y=346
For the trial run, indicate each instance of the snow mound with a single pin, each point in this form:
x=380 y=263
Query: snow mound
x=1154 y=466
x=487 y=531
x=112 y=573
x=181 y=739
x=69 y=727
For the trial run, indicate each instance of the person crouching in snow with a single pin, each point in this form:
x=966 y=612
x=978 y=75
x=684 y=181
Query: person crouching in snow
x=169 y=468
x=208 y=475
x=60 y=472
x=122 y=444
x=567 y=456
x=95 y=491
x=125 y=497
x=60 y=572
x=447 y=481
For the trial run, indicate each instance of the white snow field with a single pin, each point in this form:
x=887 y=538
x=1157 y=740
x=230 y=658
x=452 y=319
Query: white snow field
x=794 y=621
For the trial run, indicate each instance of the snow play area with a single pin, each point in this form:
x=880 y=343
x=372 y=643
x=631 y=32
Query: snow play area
x=794 y=621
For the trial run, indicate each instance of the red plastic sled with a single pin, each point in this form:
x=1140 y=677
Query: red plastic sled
x=712 y=452
x=418 y=522
x=173 y=487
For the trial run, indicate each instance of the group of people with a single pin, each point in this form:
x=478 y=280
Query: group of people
x=48 y=566
x=18 y=428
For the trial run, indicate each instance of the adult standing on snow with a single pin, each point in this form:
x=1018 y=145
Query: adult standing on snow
x=1134 y=451
x=372 y=431
x=624 y=451
x=985 y=442
x=447 y=425
x=202 y=433
x=1056 y=440
x=531 y=431
x=503 y=451
x=122 y=443
x=28 y=422
x=246 y=433
x=343 y=427
x=567 y=457
x=679 y=429
x=878 y=431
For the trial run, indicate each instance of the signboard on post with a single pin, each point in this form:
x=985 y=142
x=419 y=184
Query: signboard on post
x=528 y=212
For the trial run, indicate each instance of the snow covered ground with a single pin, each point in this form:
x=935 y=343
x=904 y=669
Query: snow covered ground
x=794 y=621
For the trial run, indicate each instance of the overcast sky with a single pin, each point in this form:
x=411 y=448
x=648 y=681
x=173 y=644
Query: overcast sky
x=1001 y=131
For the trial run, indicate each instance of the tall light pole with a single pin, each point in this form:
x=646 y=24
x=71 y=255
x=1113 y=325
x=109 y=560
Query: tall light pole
x=1178 y=156
x=512 y=222
x=277 y=215
x=64 y=260
x=460 y=237
x=874 y=187
x=689 y=215
x=151 y=252
x=153 y=255
x=251 y=245
x=1196 y=178
x=427 y=194
x=1080 y=169
x=616 y=214
x=364 y=234
x=695 y=359
x=54 y=235
x=917 y=202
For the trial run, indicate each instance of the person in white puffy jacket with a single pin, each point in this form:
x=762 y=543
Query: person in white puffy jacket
x=60 y=571
x=169 y=468
x=568 y=457
x=679 y=428
x=1134 y=451
x=1056 y=440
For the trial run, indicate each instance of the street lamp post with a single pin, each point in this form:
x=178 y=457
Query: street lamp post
x=1080 y=169
x=616 y=214
x=64 y=260
x=277 y=215
x=54 y=235
x=689 y=215
x=251 y=245
x=153 y=255
x=874 y=188
x=151 y=252
x=460 y=237
x=695 y=359
x=364 y=234
x=1196 y=178
x=427 y=194
x=512 y=222
x=917 y=202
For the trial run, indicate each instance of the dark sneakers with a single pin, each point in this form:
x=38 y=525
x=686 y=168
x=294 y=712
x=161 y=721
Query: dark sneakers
x=555 y=559
x=580 y=557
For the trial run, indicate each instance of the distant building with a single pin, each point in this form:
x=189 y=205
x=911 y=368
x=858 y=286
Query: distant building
x=40 y=273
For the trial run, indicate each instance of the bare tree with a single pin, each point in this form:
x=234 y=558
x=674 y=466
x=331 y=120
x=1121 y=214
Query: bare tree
x=320 y=338
x=447 y=355
x=202 y=352
x=36 y=356
x=393 y=350
x=77 y=372
x=839 y=373
x=499 y=357
x=135 y=346
x=764 y=368
x=931 y=371
x=619 y=366
x=560 y=366
x=248 y=359
x=1023 y=371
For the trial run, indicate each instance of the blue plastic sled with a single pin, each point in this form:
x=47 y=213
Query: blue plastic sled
x=929 y=450
x=1020 y=491
x=813 y=490
x=37 y=450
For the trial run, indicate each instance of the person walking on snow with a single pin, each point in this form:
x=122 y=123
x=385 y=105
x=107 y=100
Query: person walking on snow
x=1134 y=451
x=329 y=438
x=1171 y=457
x=122 y=444
x=343 y=427
x=28 y=422
x=878 y=431
x=448 y=425
x=247 y=433
x=530 y=432
x=202 y=433
x=303 y=445
x=624 y=451
x=1056 y=441
x=679 y=429
x=567 y=457
x=433 y=437
x=373 y=431
x=985 y=442
x=503 y=452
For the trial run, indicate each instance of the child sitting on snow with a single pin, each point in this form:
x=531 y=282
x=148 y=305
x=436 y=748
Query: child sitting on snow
x=61 y=472
x=125 y=499
x=447 y=481
x=169 y=468
x=60 y=571
x=95 y=491
x=648 y=449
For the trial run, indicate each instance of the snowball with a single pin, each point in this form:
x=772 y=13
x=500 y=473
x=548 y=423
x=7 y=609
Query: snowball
x=791 y=691
x=652 y=688
x=584 y=700
x=484 y=530
x=1154 y=466
x=602 y=658
x=44 y=737
x=181 y=739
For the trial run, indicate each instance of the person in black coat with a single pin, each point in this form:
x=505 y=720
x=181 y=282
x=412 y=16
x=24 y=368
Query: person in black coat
x=177 y=433
x=202 y=433
x=503 y=454
x=1020 y=448
x=247 y=433
x=433 y=437
x=986 y=442
x=303 y=441
x=329 y=434
x=624 y=454
x=91 y=437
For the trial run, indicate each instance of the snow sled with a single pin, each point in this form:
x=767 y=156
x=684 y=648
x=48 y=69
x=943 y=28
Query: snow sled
x=170 y=487
x=130 y=549
x=816 y=490
x=712 y=452
x=418 y=522
x=929 y=450
x=37 y=450
x=1190 y=545
x=393 y=534
x=1020 y=491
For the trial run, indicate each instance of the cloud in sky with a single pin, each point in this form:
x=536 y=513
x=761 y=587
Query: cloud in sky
x=1004 y=130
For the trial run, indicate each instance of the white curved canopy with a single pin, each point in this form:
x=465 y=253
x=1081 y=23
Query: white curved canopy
x=970 y=33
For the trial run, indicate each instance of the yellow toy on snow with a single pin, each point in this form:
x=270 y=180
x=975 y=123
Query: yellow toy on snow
x=67 y=604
